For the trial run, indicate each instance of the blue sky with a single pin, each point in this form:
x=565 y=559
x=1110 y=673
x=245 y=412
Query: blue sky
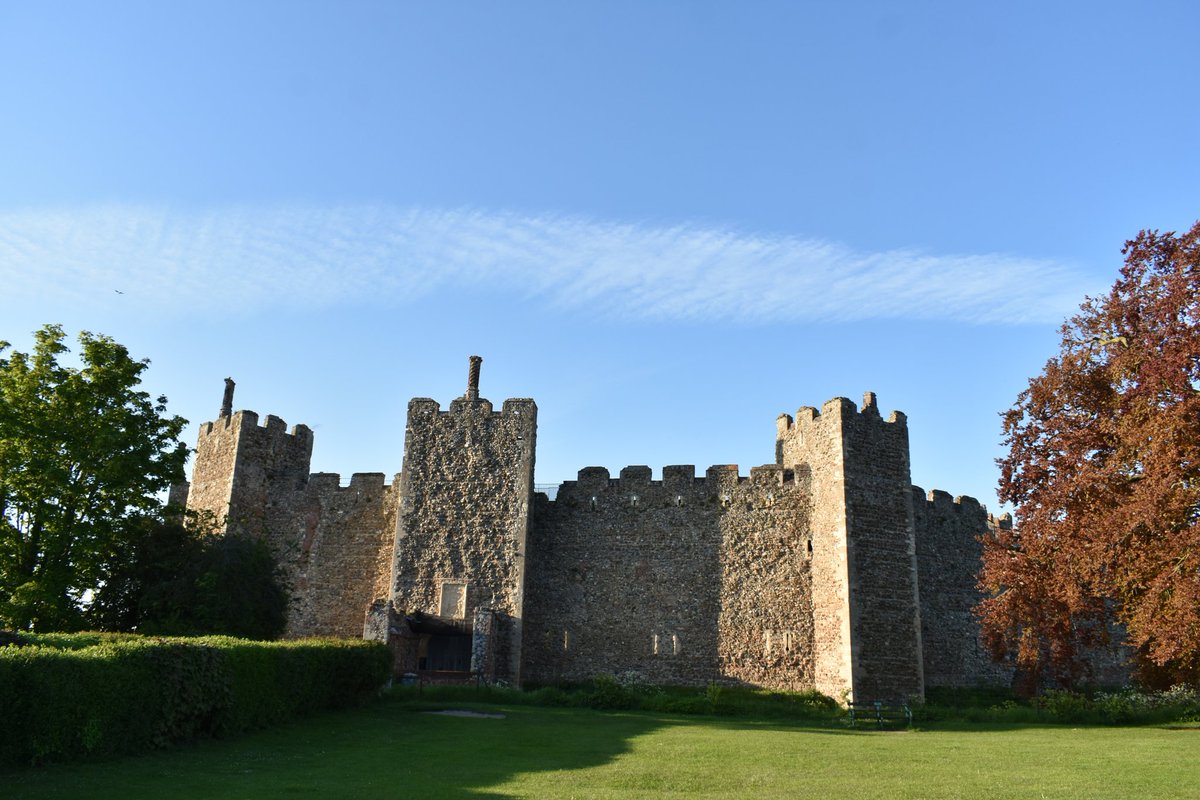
x=666 y=222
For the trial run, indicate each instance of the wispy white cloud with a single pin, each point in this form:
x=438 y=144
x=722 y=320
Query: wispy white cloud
x=252 y=258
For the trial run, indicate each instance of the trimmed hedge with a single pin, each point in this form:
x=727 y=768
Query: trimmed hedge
x=98 y=695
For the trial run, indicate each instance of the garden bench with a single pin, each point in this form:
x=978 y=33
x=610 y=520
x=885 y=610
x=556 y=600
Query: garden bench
x=882 y=714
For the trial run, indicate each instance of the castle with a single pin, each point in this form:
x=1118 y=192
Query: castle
x=825 y=570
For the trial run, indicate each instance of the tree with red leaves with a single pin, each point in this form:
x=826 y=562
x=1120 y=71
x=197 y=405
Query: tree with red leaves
x=1104 y=472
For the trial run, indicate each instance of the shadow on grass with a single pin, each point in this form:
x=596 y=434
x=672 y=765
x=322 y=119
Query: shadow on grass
x=387 y=750
x=393 y=749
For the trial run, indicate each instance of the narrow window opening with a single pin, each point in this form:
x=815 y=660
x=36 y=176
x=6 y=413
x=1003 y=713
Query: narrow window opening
x=665 y=644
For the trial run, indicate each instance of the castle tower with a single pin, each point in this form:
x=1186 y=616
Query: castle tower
x=866 y=618
x=240 y=464
x=466 y=489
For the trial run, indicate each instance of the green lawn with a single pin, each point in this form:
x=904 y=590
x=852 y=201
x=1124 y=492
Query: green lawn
x=393 y=750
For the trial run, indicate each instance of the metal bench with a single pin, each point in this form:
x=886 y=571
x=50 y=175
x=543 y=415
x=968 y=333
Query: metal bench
x=881 y=714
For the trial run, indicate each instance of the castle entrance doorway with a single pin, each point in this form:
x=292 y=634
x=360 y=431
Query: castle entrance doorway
x=446 y=653
x=444 y=645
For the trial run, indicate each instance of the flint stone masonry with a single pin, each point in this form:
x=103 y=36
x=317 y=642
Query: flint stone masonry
x=678 y=580
x=825 y=570
x=466 y=487
x=948 y=553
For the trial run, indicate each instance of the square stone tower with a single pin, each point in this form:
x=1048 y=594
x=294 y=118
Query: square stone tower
x=866 y=612
x=240 y=466
x=461 y=531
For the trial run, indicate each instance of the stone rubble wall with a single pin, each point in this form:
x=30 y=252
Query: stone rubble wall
x=885 y=621
x=949 y=550
x=239 y=464
x=216 y=457
x=336 y=545
x=766 y=621
x=466 y=488
x=680 y=580
x=811 y=446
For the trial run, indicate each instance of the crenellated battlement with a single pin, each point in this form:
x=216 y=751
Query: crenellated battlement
x=322 y=482
x=679 y=485
x=425 y=407
x=1002 y=522
x=247 y=422
x=938 y=500
x=836 y=408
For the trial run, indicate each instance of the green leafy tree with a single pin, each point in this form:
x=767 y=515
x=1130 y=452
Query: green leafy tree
x=1104 y=470
x=239 y=589
x=82 y=453
x=188 y=580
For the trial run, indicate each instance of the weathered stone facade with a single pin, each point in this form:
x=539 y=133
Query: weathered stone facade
x=682 y=580
x=826 y=569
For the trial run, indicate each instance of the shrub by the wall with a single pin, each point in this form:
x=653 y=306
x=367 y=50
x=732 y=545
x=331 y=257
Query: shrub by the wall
x=116 y=695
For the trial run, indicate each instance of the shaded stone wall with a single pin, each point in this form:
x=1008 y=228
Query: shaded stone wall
x=334 y=544
x=885 y=610
x=682 y=581
x=337 y=550
x=465 y=491
x=948 y=559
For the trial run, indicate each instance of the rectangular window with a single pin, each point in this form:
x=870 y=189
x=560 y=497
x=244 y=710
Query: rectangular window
x=665 y=644
x=454 y=601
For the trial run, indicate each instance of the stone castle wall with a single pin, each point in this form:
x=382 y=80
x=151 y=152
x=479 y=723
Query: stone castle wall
x=338 y=550
x=949 y=549
x=681 y=580
x=885 y=613
x=811 y=445
x=334 y=544
x=766 y=622
x=241 y=466
x=824 y=570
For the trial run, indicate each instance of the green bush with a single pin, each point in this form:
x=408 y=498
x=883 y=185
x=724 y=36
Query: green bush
x=87 y=695
x=1128 y=706
x=1177 y=704
x=1062 y=705
x=549 y=696
x=606 y=693
x=630 y=691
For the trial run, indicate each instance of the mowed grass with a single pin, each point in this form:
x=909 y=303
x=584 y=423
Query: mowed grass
x=394 y=750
